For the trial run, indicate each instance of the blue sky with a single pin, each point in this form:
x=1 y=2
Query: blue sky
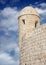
x=9 y=11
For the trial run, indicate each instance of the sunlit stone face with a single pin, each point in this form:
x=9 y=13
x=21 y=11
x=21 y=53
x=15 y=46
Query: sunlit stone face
x=27 y=22
x=32 y=38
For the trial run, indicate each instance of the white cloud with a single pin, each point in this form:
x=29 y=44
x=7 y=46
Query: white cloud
x=9 y=22
x=6 y=59
x=8 y=44
x=9 y=11
x=8 y=47
x=10 y=18
x=17 y=50
x=42 y=14
x=43 y=5
x=41 y=11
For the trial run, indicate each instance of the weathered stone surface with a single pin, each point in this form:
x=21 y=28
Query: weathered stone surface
x=33 y=48
x=32 y=38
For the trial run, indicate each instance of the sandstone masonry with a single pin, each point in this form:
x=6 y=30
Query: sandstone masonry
x=32 y=38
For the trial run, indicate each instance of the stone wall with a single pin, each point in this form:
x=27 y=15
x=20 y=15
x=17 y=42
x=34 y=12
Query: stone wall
x=33 y=48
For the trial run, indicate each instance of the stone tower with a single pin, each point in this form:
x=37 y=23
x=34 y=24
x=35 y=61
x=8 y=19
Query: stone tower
x=28 y=20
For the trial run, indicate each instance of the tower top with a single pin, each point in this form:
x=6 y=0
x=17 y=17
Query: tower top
x=28 y=20
x=28 y=11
